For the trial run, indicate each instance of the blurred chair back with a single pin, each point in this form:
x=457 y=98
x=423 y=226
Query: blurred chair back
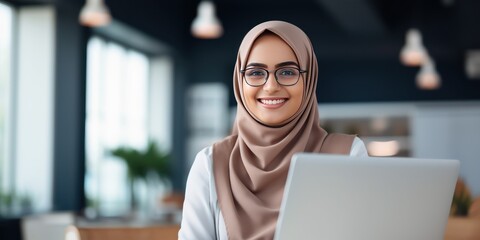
x=49 y=226
x=164 y=232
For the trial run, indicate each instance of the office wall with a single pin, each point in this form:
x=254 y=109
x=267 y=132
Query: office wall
x=69 y=120
x=450 y=131
x=354 y=67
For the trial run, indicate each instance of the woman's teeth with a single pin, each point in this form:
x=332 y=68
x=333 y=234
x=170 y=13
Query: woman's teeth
x=272 y=102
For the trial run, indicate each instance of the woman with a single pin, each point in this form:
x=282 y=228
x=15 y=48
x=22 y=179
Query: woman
x=235 y=187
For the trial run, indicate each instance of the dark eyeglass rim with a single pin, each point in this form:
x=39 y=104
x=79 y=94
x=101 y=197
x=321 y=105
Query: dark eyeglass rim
x=275 y=75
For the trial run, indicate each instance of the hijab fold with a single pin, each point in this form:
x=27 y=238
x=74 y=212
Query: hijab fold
x=250 y=166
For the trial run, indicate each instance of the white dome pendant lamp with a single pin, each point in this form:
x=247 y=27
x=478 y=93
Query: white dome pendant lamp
x=95 y=14
x=206 y=25
x=413 y=53
x=428 y=77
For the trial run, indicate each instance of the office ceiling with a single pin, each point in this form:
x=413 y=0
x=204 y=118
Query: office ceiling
x=353 y=17
x=363 y=36
x=378 y=12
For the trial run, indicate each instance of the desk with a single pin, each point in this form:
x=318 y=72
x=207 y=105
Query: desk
x=462 y=228
x=123 y=229
x=161 y=232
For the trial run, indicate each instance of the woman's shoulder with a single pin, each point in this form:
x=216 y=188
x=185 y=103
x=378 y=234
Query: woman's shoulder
x=205 y=152
x=203 y=160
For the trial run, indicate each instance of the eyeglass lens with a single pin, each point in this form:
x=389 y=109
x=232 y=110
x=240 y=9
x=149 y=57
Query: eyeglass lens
x=284 y=76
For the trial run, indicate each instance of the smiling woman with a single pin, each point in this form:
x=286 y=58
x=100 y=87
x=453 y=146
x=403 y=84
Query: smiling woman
x=235 y=186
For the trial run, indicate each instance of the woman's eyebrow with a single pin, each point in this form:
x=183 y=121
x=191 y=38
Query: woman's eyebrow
x=288 y=63
x=257 y=65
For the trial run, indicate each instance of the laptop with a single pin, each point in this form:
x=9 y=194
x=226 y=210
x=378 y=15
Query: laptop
x=333 y=197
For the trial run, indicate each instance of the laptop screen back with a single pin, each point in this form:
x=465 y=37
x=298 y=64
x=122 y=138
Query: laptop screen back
x=336 y=197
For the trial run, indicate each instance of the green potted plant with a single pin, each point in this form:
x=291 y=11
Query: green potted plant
x=141 y=163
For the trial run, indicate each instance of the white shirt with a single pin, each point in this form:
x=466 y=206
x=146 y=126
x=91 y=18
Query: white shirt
x=202 y=218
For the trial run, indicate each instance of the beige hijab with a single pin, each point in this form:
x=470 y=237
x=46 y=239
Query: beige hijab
x=250 y=166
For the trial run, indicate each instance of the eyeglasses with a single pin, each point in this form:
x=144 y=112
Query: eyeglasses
x=285 y=76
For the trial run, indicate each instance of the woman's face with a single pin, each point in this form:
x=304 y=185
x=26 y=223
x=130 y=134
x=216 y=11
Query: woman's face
x=272 y=103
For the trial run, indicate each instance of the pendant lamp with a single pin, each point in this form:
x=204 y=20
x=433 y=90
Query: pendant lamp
x=95 y=14
x=428 y=77
x=413 y=53
x=206 y=25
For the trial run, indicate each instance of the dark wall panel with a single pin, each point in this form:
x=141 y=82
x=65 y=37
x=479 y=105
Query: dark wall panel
x=69 y=150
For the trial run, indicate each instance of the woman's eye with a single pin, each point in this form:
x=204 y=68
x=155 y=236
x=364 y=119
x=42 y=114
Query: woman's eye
x=255 y=73
x=287 y=72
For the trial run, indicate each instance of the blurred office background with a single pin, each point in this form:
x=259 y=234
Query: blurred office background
x=71 y=92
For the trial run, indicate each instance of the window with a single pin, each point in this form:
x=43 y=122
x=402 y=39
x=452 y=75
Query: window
x=26 y=132
x=117 y=94
x=6 y=22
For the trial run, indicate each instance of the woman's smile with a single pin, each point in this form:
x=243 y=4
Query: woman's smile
x=272 y=103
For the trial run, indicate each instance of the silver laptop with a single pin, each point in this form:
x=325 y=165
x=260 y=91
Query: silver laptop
x=332 y=197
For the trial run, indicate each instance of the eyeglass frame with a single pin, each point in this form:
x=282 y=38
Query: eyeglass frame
x=274 y=74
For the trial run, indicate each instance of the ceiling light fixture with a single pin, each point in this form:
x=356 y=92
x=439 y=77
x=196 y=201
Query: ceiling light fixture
x=206 y=25
x=428 y=77
x=95 y=14
x=413 y=53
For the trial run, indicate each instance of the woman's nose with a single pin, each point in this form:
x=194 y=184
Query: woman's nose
x=271 y=85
